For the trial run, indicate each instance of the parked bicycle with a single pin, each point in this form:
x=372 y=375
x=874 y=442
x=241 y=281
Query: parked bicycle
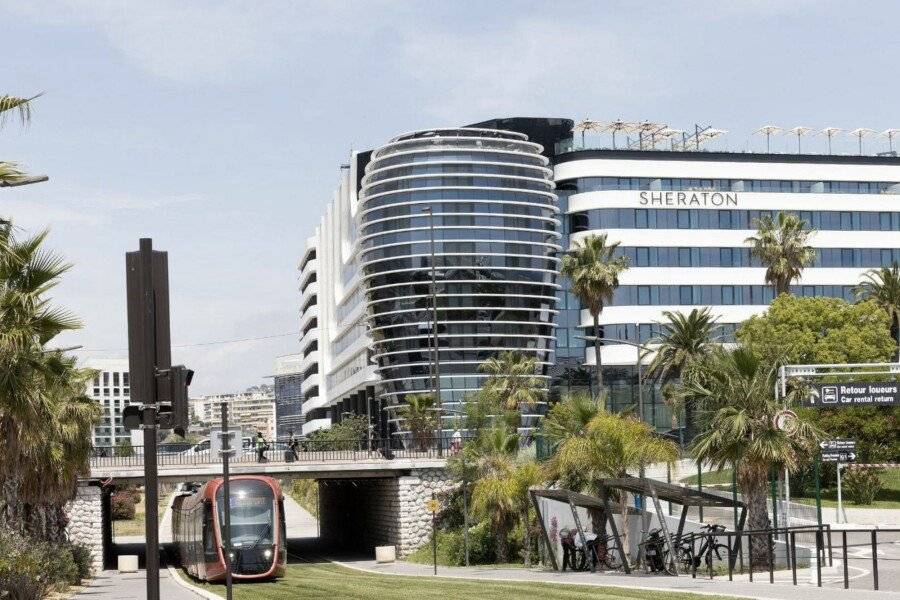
x=690 y=556
x=655 y=554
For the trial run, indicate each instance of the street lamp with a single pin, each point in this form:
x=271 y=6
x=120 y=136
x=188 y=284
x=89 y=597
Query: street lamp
x=434 y=327
x=638 y=347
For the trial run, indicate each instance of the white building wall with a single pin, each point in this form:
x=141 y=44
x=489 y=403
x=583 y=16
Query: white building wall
x=110 y=389
x=770 y=169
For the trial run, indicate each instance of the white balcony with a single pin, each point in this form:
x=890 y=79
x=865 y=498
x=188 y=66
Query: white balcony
x=315 y=425
x=312 y=403
x=309 y=360
x=308 y=315
x=309 y=336
x=310 y=382
x=308 y=271
x=310 y=291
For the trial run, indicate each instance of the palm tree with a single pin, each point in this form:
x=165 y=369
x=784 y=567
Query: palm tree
x=512 y=380
x=781 y=245
x=594 y=270
x=525 y=476
x=9 y=172
x=883 y=287
x=493 y=495
x=684 y=339
x=45 y=418
x=733 y=390
x=608 y=445
x=420 y=418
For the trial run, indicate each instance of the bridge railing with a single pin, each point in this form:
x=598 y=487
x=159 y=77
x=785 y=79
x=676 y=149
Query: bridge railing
x=277 y=452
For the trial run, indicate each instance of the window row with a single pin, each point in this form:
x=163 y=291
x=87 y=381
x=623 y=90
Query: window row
x=458 y=155
x=741 y=257
x=526 y=282
x=460 y=193
x=447 y=247
x=686 y=218
x=462 y=233
x=455 y=261
x=497 y=208
x=596 y=184
x=458 y=180
x=486 y=315
x=459 y=220
x=474 y=168
x=454 y=144
x=707 y=295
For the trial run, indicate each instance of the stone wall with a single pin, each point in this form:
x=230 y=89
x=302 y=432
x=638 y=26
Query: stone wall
x=86 y=522
x=414 y=491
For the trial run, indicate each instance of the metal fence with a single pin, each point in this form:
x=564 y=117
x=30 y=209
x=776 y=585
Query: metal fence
x=814 y=555
x=277 y=452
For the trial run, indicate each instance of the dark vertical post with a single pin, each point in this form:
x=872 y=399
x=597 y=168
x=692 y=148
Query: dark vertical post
x=875 y=558
x=771 y=557
x=819 y=558
x=730 y=561
x=774 y=492
x=540 y=517
x=750 y=554
x=734 y=494
x=434 y=531
x=846 y=568
x=793 y=550
x=818 y=465
x=700 y=486
x=147 y=292
x=226 y=501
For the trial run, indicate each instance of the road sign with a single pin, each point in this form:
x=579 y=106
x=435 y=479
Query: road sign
x=839 y=450
x=215 y=440
x=858 y=393
x=786 y=421
x=433 y=505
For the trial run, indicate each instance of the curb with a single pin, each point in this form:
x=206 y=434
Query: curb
x=176 y=576
x=576 y=583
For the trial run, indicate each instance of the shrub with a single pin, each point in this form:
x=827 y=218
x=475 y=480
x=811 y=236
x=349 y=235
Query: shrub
x=862 y=484
x=29 y=568
x=83 y=561
x=481 y=545
x=122 y=504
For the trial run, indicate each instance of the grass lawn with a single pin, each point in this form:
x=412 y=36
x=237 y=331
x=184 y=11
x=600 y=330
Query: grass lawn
x=325 y=580
x=888 y=497
x=135 y=526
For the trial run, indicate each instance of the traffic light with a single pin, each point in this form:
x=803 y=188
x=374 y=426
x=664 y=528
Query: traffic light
x=172 y=396
x=131 y=417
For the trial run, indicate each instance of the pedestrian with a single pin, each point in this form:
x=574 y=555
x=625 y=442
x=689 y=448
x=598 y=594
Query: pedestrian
x=261 y=447
x=292 y=446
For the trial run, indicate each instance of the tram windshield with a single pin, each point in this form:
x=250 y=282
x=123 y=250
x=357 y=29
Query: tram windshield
x=252 y=513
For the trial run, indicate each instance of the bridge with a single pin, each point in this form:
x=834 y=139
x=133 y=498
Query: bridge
x=368 y=497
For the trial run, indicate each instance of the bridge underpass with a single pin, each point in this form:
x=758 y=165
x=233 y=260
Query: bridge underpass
x=364 y=500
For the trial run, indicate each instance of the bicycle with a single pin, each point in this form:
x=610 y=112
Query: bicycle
x=605 y=551
x=691 y=558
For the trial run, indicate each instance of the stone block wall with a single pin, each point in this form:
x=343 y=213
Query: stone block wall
x=85 y=525
x=414 y=490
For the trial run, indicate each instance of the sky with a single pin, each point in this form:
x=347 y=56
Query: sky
x=218 y=128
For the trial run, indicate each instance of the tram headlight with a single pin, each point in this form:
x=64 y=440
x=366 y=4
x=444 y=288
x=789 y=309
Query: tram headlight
x=267 y=554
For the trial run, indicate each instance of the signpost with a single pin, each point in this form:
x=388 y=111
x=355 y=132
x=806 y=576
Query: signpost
x=857 y=393
x=433 y=507
x=158 y=390
x=838 y=451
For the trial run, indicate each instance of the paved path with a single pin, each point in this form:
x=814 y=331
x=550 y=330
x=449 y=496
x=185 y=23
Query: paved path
x=298 y=521
x=721 y=586
x=111 y=585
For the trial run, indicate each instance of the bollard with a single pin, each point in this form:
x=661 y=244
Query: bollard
x=771 y=558
x=794 y=557
x=846 y=568
x=730 y=558
x=819 y=558
x=875 y=558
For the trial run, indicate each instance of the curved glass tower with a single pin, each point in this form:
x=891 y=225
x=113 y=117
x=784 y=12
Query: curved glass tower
x=496 y=246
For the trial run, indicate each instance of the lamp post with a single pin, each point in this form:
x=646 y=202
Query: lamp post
x=639 y=347
x=434 y=327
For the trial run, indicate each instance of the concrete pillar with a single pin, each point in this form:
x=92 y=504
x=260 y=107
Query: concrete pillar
x=85 y=525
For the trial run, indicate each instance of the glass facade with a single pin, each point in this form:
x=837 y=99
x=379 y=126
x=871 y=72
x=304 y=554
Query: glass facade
x=496 y=239
x=288 y=402
x=687 y=218
x=776 y=186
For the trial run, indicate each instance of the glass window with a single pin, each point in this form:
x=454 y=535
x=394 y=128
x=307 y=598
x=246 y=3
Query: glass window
x=684 y=219
x=643 y=294
x=727 y=294
x=640 y=218
x=685 y=294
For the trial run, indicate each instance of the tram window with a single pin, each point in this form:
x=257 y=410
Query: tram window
x=209 y=538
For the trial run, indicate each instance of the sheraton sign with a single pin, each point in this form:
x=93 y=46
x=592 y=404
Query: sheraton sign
x=689 y=199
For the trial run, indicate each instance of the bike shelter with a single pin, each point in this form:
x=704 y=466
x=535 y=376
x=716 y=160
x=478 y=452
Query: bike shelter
x=576 y=500
x=684 y=496
x=656 y=491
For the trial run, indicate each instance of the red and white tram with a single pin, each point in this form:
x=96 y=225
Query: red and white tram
x=257 y=529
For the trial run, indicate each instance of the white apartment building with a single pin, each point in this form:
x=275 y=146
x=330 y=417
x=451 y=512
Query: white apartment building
x=110 y=388
x=253 y=410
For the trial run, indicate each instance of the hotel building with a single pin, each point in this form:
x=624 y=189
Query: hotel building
x=508 y=197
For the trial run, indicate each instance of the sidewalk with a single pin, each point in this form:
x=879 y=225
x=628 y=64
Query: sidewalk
x=719 y=586
x=112 y=585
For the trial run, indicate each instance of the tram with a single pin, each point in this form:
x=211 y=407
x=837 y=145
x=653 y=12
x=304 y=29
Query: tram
x=257 y=529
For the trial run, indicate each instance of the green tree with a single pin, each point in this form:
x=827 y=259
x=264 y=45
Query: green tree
x=882 y=286
x=420 y=418
x=594 y=269
x=526 y=475
x=10 y=174
x=45 y=416
x=684 y=340
x=734 y=392
x=782 y=246
x=608 y=445
x=512 y=380
x=124 y=449
x=796 y=330
x=493 y=455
